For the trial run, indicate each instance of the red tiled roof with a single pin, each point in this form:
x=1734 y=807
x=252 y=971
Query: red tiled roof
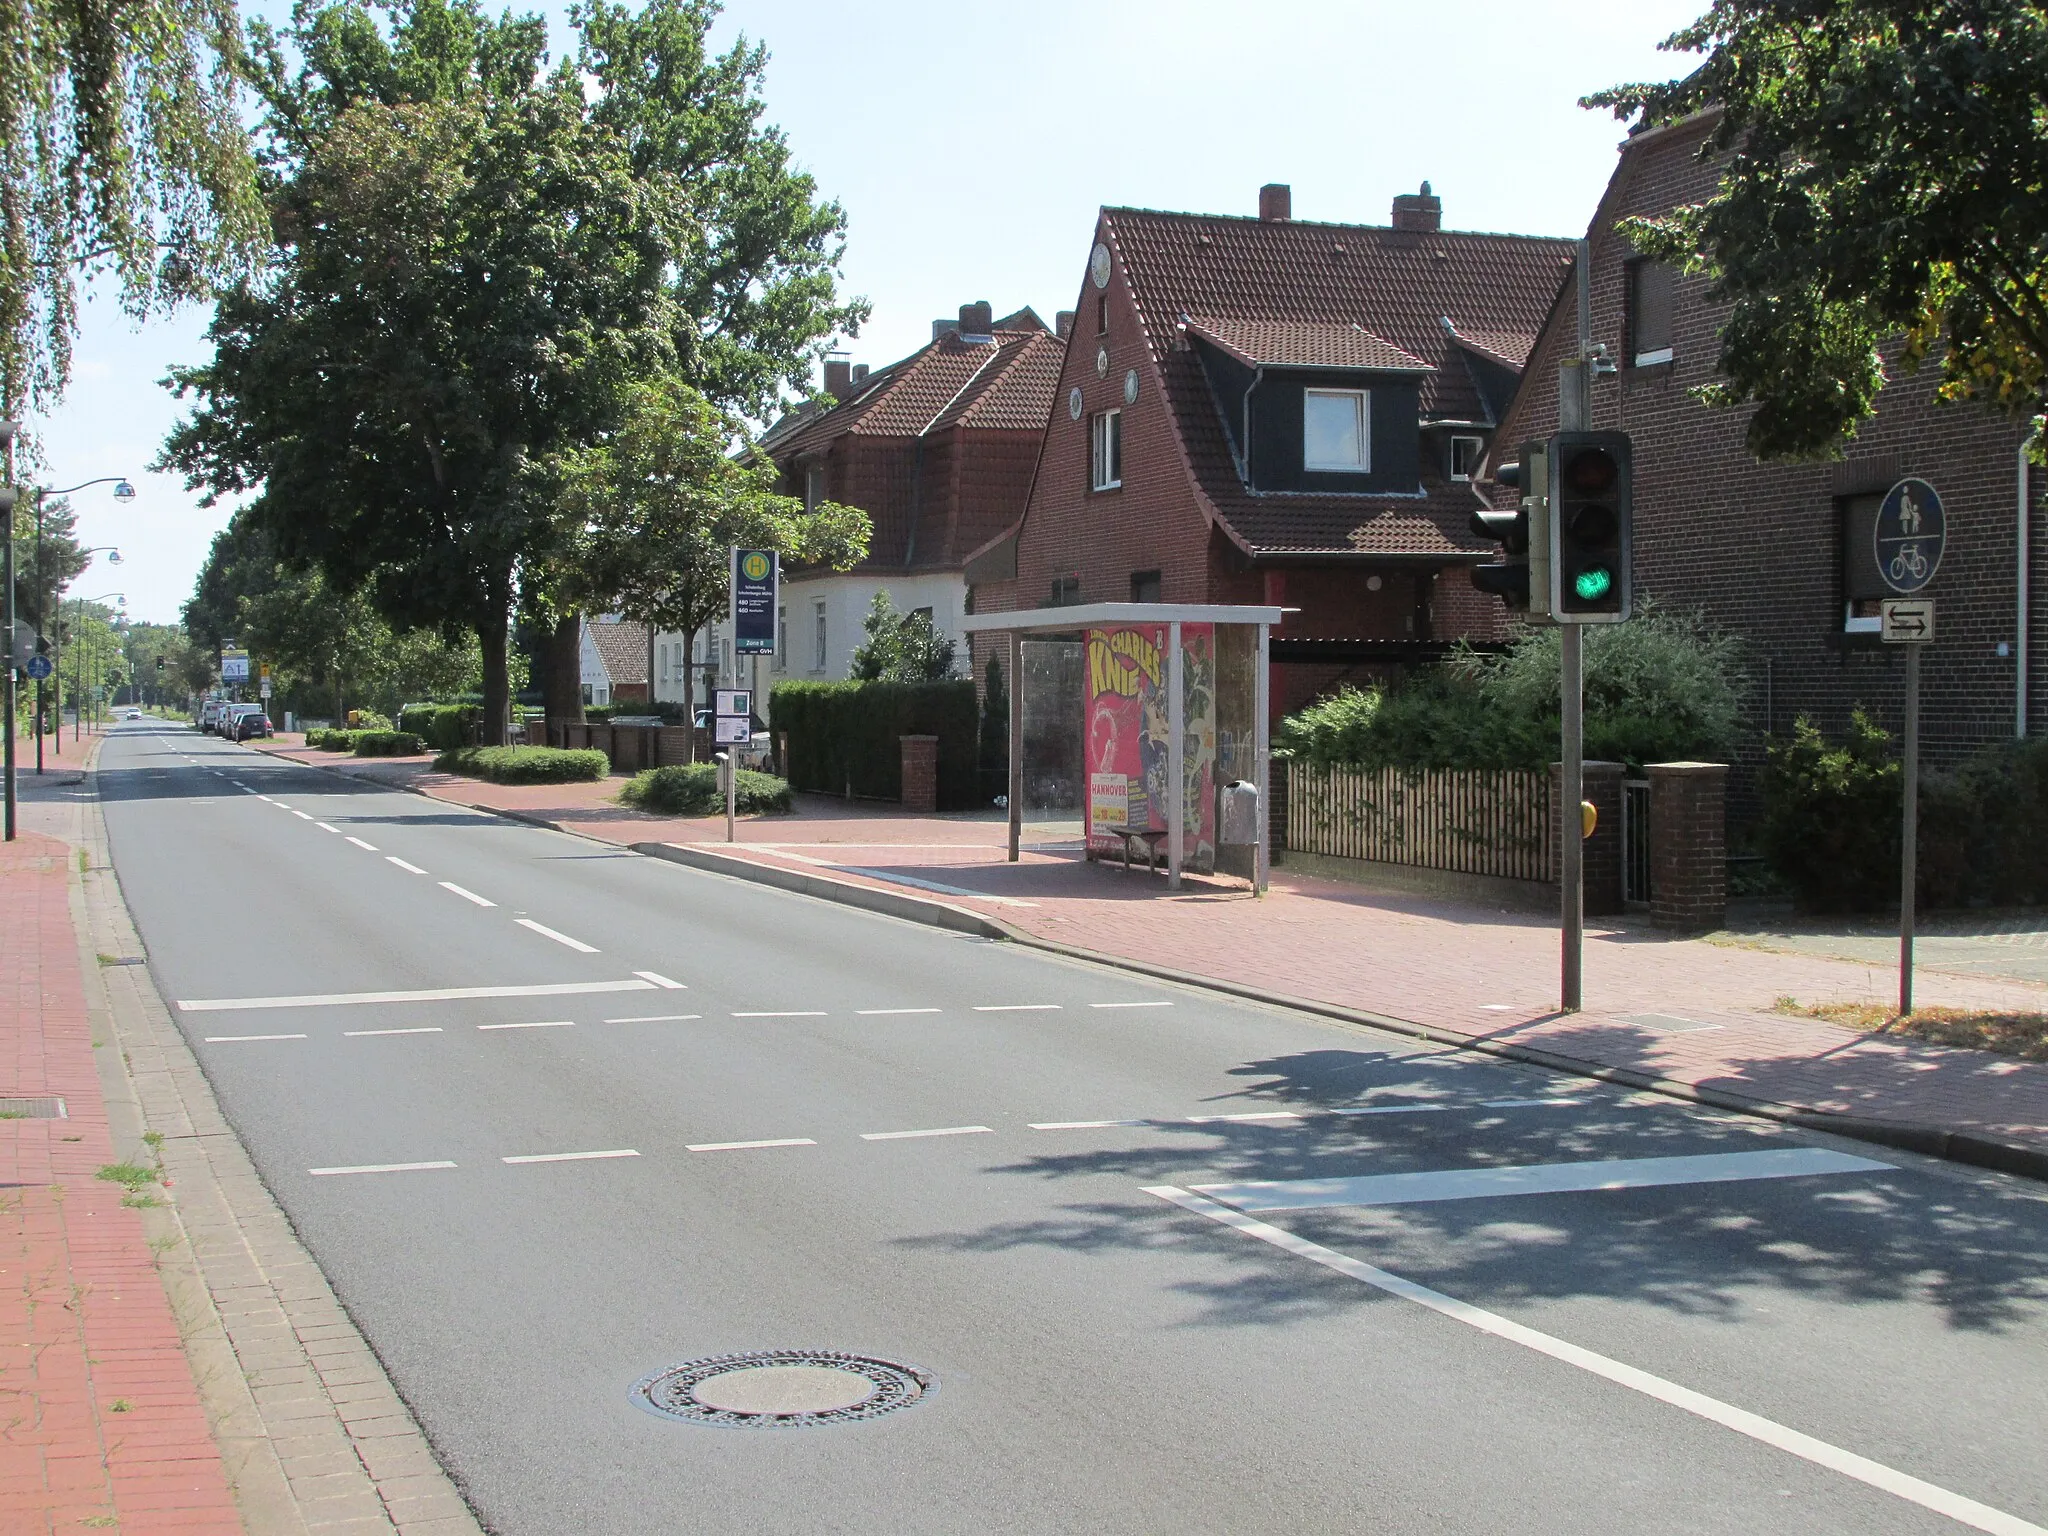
x=1305 y=344
x=622 y=646
x=1511 y=349
x=1016 y=392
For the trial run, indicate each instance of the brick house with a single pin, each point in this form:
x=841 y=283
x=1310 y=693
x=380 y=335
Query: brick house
x=1268 y=410
x=613 y=661
x=1781 y=554
x=937 y=448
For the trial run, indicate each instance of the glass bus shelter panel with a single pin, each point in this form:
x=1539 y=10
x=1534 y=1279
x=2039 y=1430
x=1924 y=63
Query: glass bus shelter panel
x=1055 y=759
x=1237 y=660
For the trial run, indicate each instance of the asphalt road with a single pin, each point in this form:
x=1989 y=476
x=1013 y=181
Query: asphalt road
x=1856 y=1343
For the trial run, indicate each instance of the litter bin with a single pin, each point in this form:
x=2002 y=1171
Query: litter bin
x=1240 y=818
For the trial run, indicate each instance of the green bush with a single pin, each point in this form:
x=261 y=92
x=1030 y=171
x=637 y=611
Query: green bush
x=1831 y=816
x=332 y=740
x=691 y=789
x=444 y=727
x=843 y=734
x=388 y=744
x=367 y=720
x=525 y=765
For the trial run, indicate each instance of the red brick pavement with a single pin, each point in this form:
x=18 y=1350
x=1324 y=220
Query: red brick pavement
x=1681 y=1009
x=100 y=1422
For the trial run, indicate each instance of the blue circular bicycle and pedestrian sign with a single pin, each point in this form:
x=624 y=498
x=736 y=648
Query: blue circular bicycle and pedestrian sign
x=38 y=667
x=1910 y=532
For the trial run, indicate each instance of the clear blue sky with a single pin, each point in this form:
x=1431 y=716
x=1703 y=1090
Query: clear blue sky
x=971 y=145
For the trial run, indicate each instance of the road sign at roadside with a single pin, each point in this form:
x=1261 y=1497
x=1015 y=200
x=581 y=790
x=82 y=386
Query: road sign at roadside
x=1910 y=533
x=756 y=594
x=734 y=701
x=1908 y=620
x=39 y=667
x=264 y=690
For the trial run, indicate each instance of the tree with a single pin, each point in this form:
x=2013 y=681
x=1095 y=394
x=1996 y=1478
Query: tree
x=122 y=150
x=1885 y=162
x=900 y=647
x=40 y=577
x=652 y=514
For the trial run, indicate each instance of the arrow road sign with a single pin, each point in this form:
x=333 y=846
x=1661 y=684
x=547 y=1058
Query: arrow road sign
x=1908 y=621
x=1910 y=533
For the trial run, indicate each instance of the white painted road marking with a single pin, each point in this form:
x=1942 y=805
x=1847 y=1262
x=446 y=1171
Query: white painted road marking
x=423 y=1029
x=1016 y=1007
x=749 y=1146
x=1955 y=1506
x=449 y=885
x=951 y=1130
x=324 y=827
x=303 y=816
x=432 y=995
x=1266 y=1114
x=1536 y=1179
x=1159 y=1003
x=224 y=1039
x=543 y=1024
x=661 y=981
x=321 y=1173
x=1526 y=1103
x=1392 y=1109
x=560 y=938
x=657 y=1018
x=366 y=847
x=410 y=869
x=887 y=1013
x=808 y=1013
x=568 y=1157
x=1083 y=1125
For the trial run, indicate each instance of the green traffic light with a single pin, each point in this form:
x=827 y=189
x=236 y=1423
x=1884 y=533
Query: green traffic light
x=1594 y=583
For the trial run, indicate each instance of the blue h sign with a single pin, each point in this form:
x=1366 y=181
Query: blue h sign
x=756 y=578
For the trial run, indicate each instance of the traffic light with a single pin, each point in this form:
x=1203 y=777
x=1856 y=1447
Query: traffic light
x=1521 y=577
x=159 y=663
x=1592 y=527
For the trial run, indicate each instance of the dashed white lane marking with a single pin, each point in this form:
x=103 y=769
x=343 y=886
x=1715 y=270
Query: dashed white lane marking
x=303 y=816
x=426 y=995
x=884 y=1013
x=542 y=1024
x=410 y=869
x=568 y=1157
x=951 y=1130
x=1082 y=1125
x=450 y=885
x=560 y=938
x=422 y=1029
x=661 y=981
x=324 y=827
x=749 y=1146
x=1390 y=1109
x=657 y=1018
x=321 y=1173
x=224 y=1039
x=1526 y=1103
x=796 y=1013
x=1927 y=1495
x=1264 y=1114
x=1016 y=1007
x=1158 y=1003
x=366 y=847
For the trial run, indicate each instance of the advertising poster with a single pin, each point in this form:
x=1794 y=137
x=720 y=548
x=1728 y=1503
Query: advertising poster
x=1127 y=736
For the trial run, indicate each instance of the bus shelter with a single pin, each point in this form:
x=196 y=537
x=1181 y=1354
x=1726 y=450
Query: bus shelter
x=1146 y=722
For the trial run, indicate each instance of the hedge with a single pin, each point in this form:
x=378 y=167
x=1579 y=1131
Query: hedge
x=444 y=727
x=525 y=765
x=845 y=734
x=332 y=740
x=388 y=744
x=691 y=789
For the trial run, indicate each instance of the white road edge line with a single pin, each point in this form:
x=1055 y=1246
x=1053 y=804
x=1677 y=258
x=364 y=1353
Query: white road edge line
x=426 y=995
x=1017 y=1007
x=951 y=1130
x=801 y=1013
x=224 y=1039
x=366 y=847
x=1160 y=1003
x=748 y=1146
x=661 y=981
x=410 y=869
x=423 y=1029
x=542 y=1024
x=560 y=938
x=657 y=1018
x=321 y=1173
x=1955 y=1506
x=568 y=1157
x=884 y=1013
x=450 y=885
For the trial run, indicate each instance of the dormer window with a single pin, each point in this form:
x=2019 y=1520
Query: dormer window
x=1337 y=431
x=1465 y=454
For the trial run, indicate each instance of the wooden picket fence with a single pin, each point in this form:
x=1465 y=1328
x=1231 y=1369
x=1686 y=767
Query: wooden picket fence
x=1480 y=822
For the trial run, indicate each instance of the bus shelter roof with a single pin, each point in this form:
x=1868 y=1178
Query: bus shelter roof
x=1026 y=621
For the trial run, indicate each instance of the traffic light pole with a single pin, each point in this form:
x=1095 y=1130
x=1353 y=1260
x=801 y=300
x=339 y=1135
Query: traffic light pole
x=1574 y=414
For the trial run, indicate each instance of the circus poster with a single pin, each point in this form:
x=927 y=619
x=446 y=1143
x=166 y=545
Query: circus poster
x=1127 y=736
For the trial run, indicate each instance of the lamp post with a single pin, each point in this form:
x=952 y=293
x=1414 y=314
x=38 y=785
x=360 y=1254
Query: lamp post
x=57 y=656
x=78 y=670
x=123 y=491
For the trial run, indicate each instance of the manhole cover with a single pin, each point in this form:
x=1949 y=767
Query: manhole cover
x=781 y=1389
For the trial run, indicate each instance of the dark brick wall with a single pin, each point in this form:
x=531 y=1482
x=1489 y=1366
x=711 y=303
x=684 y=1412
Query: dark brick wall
x=1599 y=783
x=1688 y=845
x=920 y=773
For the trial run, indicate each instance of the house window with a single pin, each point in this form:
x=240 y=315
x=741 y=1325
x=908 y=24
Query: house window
x=1106 y=453
x=781 y=637
x=1650 y=288
x=1066 y=591
x=1145 y=586
x=1863 y=585
x=814 y=487
x=1465 y=452
x=1102 y=315
x=1335 y=435
x=818 y=614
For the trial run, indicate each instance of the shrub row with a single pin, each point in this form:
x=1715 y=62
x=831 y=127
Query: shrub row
x=524 y=765
x=444 y=727
x=691 y=789
x=367 y=743
x=844 y=735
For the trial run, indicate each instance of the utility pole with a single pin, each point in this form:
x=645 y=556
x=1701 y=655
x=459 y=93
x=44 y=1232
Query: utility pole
x=1574 y=414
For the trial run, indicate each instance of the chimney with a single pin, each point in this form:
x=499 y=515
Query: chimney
x=945 y=328
x=1422 y=212
x=1063 y=324
x=1276 y=201
x=838 y=376
x=860 y=372
x=977 y=321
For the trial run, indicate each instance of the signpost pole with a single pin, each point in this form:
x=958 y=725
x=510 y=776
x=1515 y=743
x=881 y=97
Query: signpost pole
x=1574 y=414
x=1909 y=829
x=732 y=791
x=1016 y=742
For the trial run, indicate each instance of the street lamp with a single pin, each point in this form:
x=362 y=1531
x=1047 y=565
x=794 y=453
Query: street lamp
x=123 y=491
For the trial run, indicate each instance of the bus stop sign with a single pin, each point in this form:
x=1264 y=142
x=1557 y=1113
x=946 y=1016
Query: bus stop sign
x=1910 y=532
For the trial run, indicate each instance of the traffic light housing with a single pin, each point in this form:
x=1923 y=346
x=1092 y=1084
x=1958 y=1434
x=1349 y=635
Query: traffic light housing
x=1520 y=578
x=159 y=663
x=1592 y=532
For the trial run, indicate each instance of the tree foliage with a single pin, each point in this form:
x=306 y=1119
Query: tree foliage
x=1885 y=175
x=900 y=647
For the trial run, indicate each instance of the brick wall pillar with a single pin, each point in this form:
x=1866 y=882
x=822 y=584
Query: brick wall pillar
x=920 y=772
x=1689 y=845
x=1601 y=784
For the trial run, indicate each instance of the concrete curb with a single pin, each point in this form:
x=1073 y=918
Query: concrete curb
x=1968 y=1147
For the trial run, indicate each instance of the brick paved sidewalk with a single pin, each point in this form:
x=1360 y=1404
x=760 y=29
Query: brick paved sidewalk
x=1680 y=1009
x=100 y=1420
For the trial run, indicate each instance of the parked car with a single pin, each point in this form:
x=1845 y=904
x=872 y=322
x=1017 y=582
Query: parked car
x=209 y=715
x=250 y=720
